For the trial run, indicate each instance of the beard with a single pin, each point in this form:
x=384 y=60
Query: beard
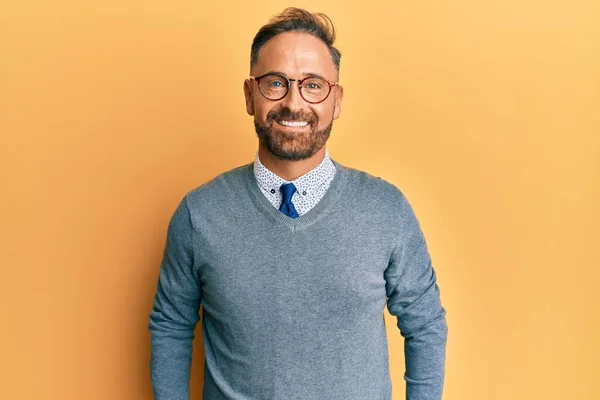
x=292 y=146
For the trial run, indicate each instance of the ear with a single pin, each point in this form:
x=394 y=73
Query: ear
x=338 y=102
x=248 y=97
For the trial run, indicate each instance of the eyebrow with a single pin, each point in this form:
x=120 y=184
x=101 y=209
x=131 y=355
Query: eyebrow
x=304 y=75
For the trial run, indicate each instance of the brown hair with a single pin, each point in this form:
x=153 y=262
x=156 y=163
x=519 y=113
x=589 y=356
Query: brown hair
x=299 y=20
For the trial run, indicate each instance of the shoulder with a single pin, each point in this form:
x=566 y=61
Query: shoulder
x=369 y=185
x=220 y=184
x=217 y=192
x=377 y=196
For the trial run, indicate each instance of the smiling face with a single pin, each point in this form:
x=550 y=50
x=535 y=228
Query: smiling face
x=292 y=128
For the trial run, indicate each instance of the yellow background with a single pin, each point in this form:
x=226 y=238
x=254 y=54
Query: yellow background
x=485 y=113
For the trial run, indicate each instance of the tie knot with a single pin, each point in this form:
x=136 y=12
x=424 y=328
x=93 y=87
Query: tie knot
x=287 y=190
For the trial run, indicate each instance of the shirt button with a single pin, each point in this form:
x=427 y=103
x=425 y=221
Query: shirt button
x=304 y=193
x=273 y=191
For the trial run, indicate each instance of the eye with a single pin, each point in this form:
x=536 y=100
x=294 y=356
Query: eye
x=314 y=84
x=274 y=82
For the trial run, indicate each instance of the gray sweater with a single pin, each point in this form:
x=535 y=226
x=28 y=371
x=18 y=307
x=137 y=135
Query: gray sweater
x=293 y=308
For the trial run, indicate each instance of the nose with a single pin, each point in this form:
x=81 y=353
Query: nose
x=292 y=99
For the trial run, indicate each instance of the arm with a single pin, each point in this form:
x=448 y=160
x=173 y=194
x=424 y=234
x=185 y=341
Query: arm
x=414 y=298
x=175 y=311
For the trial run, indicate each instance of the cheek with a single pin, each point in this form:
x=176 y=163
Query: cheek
x=324 y=115
x=261 y=110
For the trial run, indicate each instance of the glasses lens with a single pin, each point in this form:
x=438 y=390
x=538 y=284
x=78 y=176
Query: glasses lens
x=315 y=89
x=273 y=87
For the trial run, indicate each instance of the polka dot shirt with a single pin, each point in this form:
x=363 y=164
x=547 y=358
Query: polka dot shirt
x=310 y=187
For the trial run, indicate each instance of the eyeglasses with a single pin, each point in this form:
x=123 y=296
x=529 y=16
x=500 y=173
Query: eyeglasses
x=275 y=87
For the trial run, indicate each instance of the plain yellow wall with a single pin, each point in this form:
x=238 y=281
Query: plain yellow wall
x=486 y=114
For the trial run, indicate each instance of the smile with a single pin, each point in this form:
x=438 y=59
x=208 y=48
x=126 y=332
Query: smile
x=295 y=124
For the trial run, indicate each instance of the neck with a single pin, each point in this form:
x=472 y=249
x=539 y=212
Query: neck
x=286 y=169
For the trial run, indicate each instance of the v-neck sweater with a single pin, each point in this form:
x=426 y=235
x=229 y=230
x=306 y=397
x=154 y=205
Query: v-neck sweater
x=292 y=308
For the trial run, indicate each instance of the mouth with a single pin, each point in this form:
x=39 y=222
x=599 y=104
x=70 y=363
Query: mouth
x=293 y=124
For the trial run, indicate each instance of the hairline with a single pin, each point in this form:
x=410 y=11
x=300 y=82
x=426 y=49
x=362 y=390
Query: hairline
x=331 y=58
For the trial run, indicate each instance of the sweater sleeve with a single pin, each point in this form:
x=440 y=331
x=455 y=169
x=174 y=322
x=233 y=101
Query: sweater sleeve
x=414 y=298
x=174 y=313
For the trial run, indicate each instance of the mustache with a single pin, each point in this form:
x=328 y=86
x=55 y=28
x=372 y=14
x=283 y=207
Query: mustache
x=289 y=115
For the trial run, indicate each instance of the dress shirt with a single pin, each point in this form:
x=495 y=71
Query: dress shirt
x=310 y=187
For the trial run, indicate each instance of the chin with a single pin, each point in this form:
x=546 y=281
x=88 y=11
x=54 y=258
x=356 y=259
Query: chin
x=290 y=155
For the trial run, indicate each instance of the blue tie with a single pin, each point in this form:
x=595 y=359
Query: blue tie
x=288 y=190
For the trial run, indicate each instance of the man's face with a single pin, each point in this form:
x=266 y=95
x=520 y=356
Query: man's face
x=296 y=55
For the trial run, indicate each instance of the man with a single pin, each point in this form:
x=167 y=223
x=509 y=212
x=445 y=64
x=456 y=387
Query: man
x=294 y=256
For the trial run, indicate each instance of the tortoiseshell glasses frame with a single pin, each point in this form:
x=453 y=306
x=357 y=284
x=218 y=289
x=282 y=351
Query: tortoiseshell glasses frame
x=315 y=94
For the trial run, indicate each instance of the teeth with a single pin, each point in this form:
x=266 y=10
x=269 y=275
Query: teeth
x=294 y=123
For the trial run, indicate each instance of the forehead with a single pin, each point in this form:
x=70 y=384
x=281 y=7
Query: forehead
x=296 y=54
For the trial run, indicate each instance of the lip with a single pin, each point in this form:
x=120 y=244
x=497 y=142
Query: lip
x=293 y=127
